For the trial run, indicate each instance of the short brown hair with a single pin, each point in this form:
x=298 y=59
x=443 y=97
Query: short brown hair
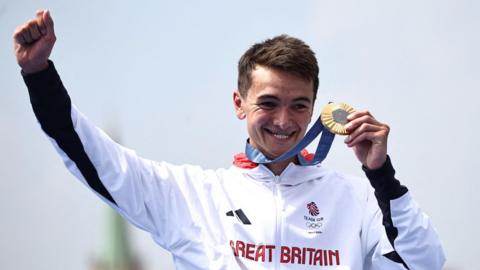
x=283 y=53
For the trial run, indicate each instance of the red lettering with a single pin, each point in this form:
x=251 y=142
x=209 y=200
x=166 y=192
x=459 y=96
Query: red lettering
x=260 y=253
x=232 y=245
x=285 y=254
x=270 y=249
x=293 y=255
x=318 y=257
x=240 y=248
x=310 y=255
x=335 y=253
x=296 y=254
x=250 y=251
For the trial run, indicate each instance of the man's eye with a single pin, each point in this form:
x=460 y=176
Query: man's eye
x=267 y=105
x=300 y=107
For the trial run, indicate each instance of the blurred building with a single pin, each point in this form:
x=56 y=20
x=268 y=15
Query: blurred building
x=116 y=253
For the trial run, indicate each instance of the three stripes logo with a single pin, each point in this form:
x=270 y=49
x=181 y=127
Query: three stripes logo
x=240 y=216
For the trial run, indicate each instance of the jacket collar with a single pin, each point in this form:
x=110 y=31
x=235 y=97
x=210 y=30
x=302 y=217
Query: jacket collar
x=292 y=175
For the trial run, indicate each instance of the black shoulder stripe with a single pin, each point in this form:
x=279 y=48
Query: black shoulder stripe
x=52 y=107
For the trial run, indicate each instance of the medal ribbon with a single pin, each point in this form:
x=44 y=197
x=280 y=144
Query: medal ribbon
x=323 y=147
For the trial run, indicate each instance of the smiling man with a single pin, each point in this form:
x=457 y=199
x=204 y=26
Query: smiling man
x=278 y=107
x=280 y=215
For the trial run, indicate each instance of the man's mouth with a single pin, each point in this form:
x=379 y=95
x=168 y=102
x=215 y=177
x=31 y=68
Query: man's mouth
x=279 y=134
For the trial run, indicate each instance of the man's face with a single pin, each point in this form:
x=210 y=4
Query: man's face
x=278 y=109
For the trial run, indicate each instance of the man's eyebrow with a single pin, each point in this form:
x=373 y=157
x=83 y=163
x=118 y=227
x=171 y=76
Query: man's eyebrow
x=306 y=99
x=298 y=99
x=268 y=97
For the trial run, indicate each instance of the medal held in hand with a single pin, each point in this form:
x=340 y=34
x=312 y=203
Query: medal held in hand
x=334 y=117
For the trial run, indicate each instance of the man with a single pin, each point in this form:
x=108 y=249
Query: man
x=279 y=215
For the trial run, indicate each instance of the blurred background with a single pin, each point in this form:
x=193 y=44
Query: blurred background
x=159 y=76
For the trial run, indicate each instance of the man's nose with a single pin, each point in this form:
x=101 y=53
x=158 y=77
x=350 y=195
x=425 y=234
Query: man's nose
x=283 y=118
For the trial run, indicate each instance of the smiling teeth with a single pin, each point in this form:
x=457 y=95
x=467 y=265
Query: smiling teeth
x=281 y=136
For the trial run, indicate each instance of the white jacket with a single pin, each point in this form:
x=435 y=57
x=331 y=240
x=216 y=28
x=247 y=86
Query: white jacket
x=243 y=217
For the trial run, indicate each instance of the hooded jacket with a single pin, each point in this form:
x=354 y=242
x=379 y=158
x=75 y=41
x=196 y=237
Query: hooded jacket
x=243 y=217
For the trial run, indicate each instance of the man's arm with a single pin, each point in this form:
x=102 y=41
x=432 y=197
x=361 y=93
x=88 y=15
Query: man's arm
x=144 y=192
x=397 y=234
x=33 y=44
x=408 y=230
x=87 y=152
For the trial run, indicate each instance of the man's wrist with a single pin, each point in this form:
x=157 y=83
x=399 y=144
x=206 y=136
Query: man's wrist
x=28 y=70
x=383 y=180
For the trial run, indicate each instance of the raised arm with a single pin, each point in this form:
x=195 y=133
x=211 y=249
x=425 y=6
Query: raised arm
x=33 y=43
x=137 y=188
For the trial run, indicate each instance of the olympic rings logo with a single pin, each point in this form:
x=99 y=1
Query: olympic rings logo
x=313 y=225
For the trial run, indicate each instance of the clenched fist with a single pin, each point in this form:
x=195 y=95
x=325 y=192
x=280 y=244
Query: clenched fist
x=33 y=42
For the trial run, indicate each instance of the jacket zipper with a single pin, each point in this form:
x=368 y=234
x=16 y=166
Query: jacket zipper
x=278 y=222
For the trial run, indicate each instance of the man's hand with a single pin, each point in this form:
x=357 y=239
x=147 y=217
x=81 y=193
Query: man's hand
x=368 y=137
x=33 y=42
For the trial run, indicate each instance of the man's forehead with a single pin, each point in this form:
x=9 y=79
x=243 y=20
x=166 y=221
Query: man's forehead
x=267 y=82
x=270 y=73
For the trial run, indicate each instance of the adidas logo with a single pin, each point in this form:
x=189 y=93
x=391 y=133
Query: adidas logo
x=240 y=216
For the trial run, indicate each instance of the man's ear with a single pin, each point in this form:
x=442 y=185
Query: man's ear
x=238 y=103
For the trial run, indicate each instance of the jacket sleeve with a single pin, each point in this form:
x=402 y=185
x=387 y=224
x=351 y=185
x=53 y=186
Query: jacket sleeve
x=403 y=235
x=142 y=191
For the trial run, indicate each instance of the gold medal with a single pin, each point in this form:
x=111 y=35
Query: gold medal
x=334 y=117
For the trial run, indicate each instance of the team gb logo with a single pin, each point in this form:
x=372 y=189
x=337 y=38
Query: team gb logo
x=313 y=209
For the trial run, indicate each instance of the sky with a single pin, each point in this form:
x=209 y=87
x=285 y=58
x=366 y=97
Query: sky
x=160 y=75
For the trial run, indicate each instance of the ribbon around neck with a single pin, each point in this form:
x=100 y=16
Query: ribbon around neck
x=323 y=147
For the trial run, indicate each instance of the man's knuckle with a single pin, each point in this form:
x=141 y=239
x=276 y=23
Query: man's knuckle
x=22 y=29
x=364 y=127
x=17 y=32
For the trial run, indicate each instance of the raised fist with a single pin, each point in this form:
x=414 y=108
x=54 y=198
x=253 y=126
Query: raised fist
x=33 y=42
